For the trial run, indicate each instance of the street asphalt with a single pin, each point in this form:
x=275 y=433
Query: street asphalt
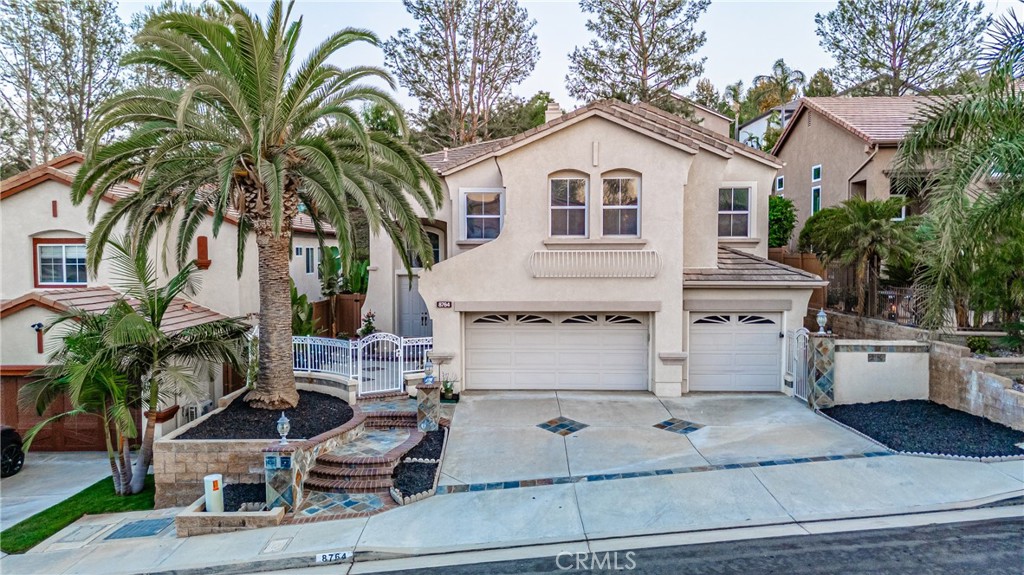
x=993 y=547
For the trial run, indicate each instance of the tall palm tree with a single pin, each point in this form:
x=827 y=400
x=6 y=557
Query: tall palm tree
x=971 y=146
x=779 y=87
x=254 y=135
x=863 y=234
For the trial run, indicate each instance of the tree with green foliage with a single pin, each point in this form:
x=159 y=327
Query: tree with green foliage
x=820 y=85
x=779 y=87
x=58 y=61
x=151 y=75
x=904 y=44
x=130 y=340
x=254 y=134
x=643 y=51
x=303 y=322
x=863 y=234
x=781 y=221
x=462 y=60
x=971 y=146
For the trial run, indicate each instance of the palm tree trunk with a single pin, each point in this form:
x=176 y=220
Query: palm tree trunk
x=145 y=457
x=861 y=286
x=275 y=383
x=126 y=462
x=112 y=456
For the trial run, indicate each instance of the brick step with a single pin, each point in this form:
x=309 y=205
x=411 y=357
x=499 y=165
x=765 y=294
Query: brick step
x=372 y=397
x=349 y=485
x=391 y=419
x=352 y=472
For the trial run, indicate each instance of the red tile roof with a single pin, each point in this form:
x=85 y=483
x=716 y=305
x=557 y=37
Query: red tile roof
x=181 y=314
x=644 y=117
x=881 y=120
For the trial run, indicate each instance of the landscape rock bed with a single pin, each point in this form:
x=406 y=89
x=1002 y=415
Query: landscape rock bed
x=412 y=478
x=236 y=494
x=316 y=413
x=429 y=449
x=924 y=427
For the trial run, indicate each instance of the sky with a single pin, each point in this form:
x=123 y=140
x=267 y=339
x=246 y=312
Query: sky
x=744 y=38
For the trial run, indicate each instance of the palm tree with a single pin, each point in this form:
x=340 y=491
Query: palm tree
x=863 y=234
x=254 y=135
x=94 y=387
x=971 y=146
x=779 y=87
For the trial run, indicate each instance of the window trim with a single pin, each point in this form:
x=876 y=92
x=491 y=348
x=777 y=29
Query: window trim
x=751 y=188
x=464 y=217
x=813 y=189
x=903 y=209
x=36 y=243
x=637 y=207
x=816 y=167
x=585 y=208
x=780 y=183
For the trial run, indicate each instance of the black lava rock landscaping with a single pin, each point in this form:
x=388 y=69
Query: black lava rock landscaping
x=235 y=494
x=413 y=478
x=920 y=426
x=316 y=413
x=429 y=447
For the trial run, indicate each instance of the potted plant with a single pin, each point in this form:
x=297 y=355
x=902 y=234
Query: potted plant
x=448 y=389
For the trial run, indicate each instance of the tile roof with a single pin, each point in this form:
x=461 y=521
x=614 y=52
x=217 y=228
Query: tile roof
x=882 y=120
x=737 y=266
x=643 y=116
x=180 y=315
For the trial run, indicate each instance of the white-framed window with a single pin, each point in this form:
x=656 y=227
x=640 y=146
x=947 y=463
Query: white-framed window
x=816 y=173
x=780 y=183
x=310 y=260
x=733 y=212
x=60 y=264
x=435 y=248
x=620 y=208
x=484 y=211
x=298 y=251
x=568 y=200
x=903 y=210
x=815 y=199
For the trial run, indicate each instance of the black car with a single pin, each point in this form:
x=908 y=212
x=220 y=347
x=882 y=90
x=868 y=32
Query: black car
x=10 y=452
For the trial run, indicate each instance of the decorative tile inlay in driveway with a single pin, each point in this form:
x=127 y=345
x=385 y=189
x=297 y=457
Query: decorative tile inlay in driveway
x=337 y=503
x=562 y=426
x=678 y=426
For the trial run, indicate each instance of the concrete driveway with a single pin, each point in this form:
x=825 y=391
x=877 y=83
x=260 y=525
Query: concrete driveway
x=495 y=435
x=47 y=479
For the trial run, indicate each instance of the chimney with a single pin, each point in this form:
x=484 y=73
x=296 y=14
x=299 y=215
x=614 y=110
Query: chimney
x=552 y=111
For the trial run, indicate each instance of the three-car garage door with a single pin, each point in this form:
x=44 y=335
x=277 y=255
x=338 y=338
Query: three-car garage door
x=735 y=352
x=592 y=351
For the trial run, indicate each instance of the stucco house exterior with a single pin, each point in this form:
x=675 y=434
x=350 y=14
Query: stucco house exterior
x=842 y=147
x=44 y=273
x=616 y=247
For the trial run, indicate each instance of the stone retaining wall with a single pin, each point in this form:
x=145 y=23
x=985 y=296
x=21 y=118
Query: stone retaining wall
x=196 y=521
x=855 y=327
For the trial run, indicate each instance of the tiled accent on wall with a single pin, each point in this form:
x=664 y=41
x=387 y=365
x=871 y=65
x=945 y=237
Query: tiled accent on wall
x=823 y=386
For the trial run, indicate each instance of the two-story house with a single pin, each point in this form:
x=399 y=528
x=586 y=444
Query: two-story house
x=838 y=148
x=44 y=273
x=616 y=247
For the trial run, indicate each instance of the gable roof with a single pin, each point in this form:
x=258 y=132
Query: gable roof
x=643 y=118
x=180 y=315
x=53 y=171
x=701 y=107
x=737 y=267
x=878 y=120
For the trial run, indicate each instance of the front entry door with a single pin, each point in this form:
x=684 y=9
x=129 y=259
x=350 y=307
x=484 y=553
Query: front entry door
x=413 y=319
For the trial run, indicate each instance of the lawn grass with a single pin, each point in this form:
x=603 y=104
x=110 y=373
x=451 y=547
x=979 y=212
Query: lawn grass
x=93 y=500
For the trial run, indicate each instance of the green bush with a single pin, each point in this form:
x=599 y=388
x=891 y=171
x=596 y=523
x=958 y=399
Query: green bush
x=979 y=344
x=781 y=221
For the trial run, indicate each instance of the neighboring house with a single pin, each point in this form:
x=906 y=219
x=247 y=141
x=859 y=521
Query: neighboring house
x=838 y=148
x=616 y=247
x=708 y=118
x=752 y=131
x=44 y=269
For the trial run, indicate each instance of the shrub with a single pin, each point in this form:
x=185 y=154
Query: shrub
x=979 y=344
x=781 y=221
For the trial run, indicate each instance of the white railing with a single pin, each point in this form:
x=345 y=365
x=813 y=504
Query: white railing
x=595 y=264
x=378 y=361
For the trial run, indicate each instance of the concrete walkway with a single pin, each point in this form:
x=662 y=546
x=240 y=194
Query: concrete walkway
x=47 y=479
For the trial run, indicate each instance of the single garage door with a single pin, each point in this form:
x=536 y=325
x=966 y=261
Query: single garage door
x=735 y=352
x=605 y=351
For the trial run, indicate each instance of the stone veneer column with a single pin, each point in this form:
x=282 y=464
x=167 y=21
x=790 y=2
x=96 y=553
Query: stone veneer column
x=823 y=383
x=280 y=474
x=428 y=407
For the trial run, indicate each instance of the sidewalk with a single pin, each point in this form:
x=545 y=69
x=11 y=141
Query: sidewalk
x=572 y=515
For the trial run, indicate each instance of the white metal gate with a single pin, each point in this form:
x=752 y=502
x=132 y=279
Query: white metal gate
x=380 y=364
x=800 y=362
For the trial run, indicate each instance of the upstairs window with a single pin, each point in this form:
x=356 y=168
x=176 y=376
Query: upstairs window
x=621 y=207
x=816 y=173
x=484 y=212
x=815 y=199
x=569 y=207
x=310 y=260
x=734 y=212
x=780 y=183
x=60 y=262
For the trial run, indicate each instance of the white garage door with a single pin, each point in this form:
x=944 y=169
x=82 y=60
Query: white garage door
x=735 y=352
x=556 y=351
